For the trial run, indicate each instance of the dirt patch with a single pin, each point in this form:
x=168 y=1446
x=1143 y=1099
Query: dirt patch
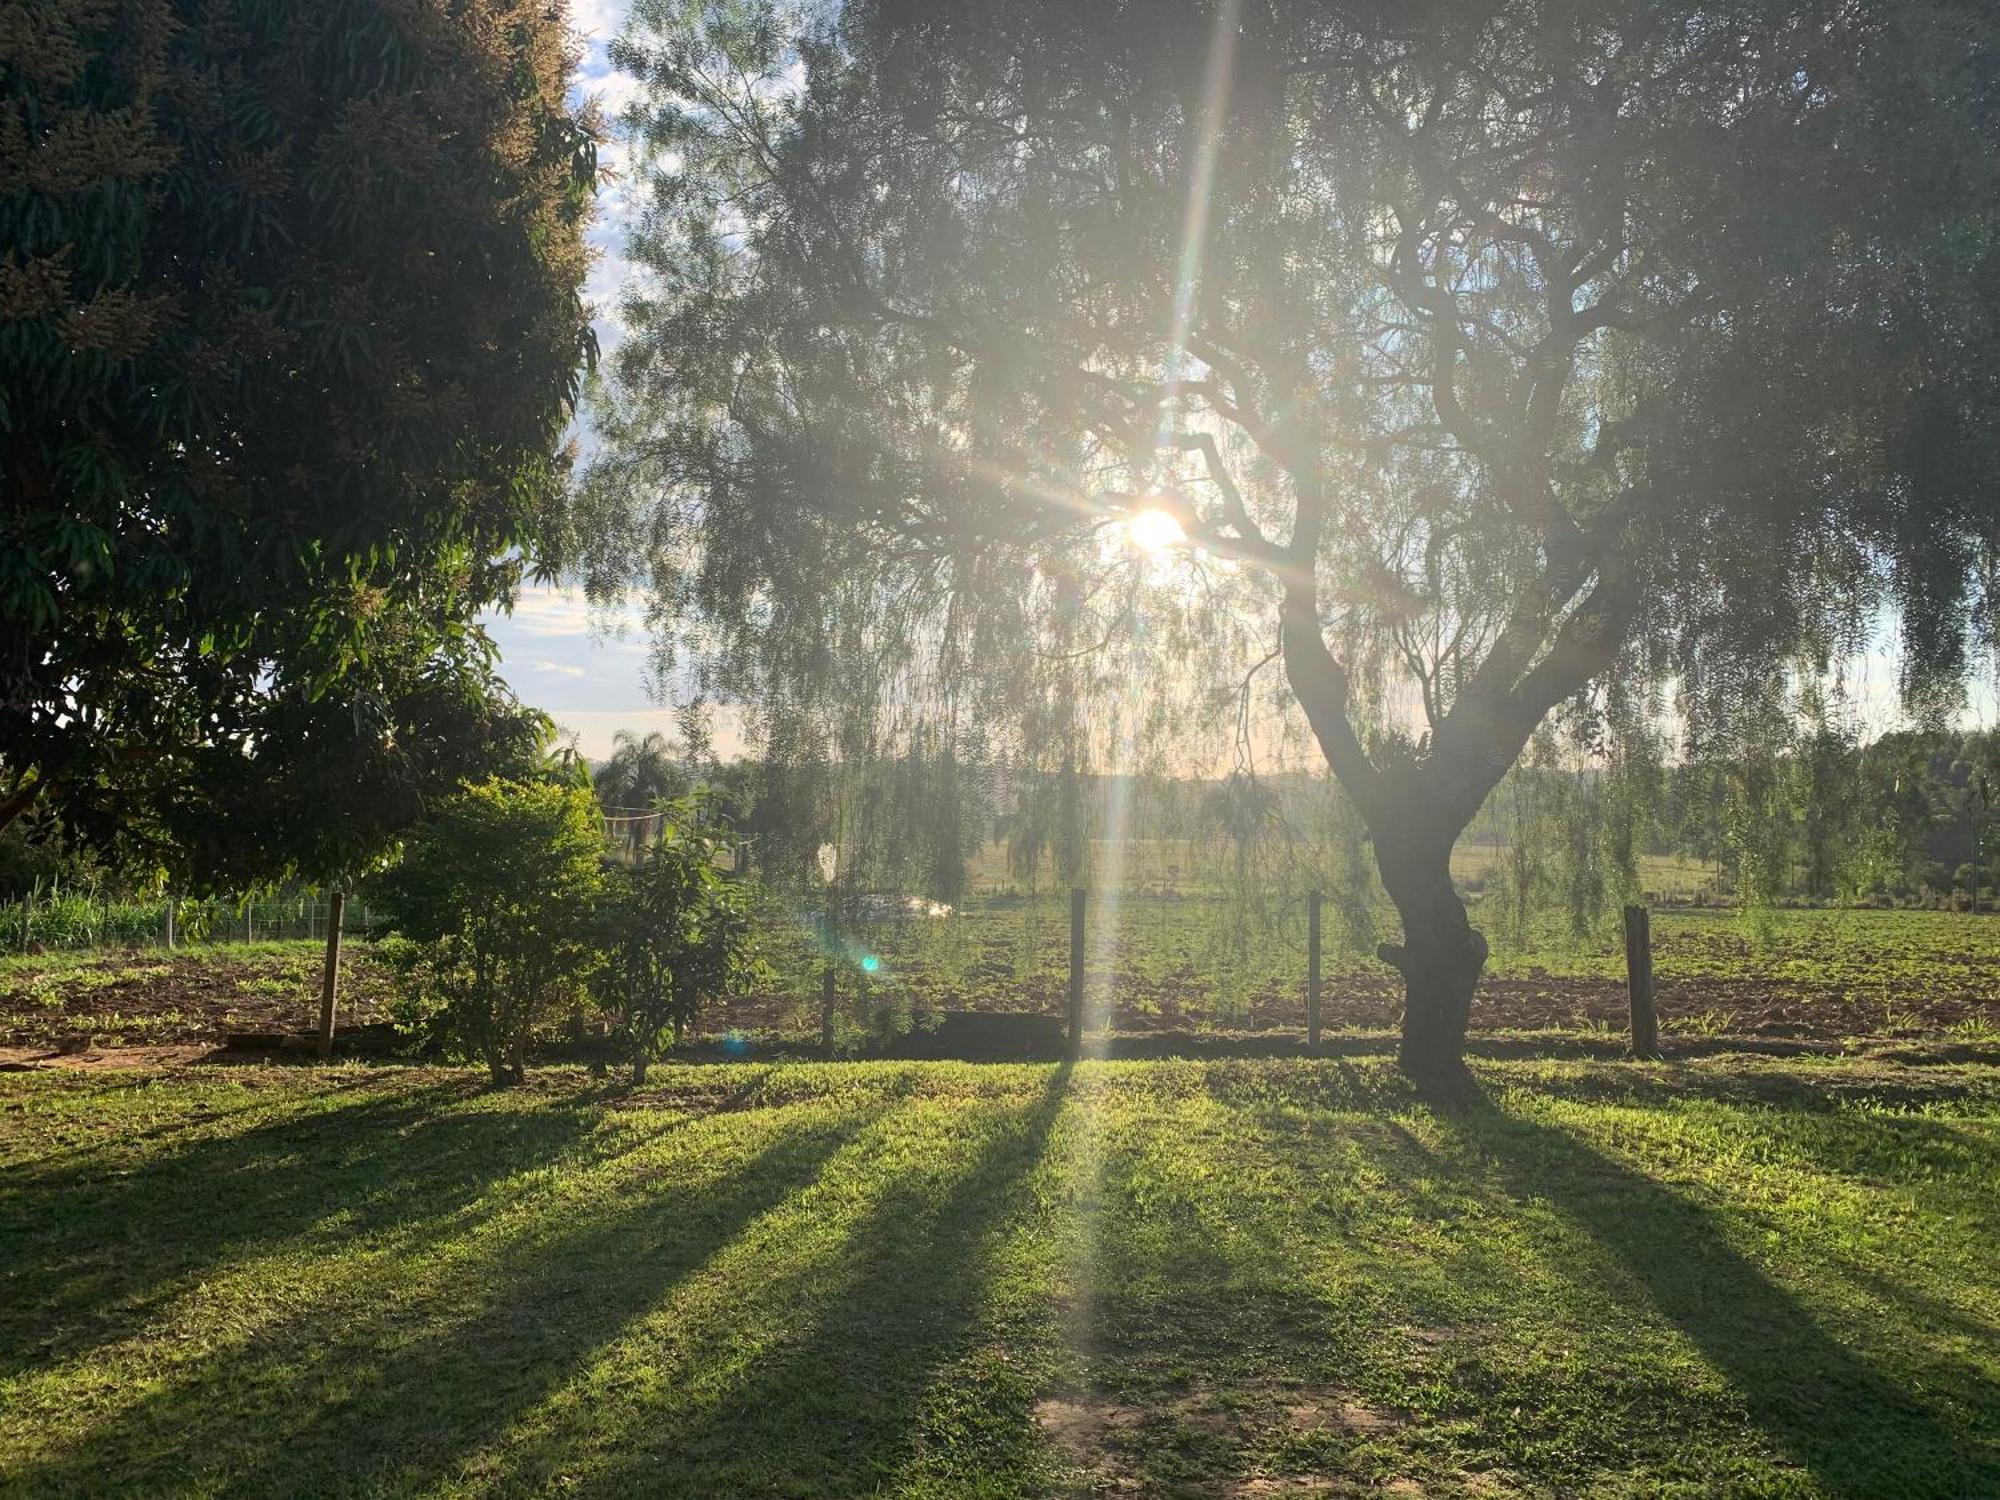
x=1287 y=1486
x=1080 y=1422
x=33 y=1059
x=1339 y=1411
x=1104 y=1437
x=150 y=998
x=1088 y=1432
x=1691 y=1008
x=1698 y=1006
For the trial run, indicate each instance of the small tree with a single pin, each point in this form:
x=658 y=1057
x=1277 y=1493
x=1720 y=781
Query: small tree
x=675 y=935
x=493 y=903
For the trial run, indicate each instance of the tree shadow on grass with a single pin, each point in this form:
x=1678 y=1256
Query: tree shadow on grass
x=1860 y=1432
x=100 y=1243
x=844 y=1407
x=391 y=1396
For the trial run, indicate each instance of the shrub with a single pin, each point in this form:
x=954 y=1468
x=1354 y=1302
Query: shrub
x=492 y=902
x=674 y=933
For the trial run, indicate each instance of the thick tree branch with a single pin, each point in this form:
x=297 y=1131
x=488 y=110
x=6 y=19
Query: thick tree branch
x=1320 y=683
x=1489 y=725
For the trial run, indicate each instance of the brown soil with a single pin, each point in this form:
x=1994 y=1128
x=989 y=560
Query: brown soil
x=154 y=1005
x=28 y=1059
x=1100 y=1437
x=1693 y=1007
x=152 y=999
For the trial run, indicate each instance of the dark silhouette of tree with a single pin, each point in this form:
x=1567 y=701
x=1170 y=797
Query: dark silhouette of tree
x=290 y=331
x=1484 y=353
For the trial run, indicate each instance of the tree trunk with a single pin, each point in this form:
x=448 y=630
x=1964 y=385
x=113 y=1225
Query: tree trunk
x=1416 y=811
x=330 y=980
x=1441 y=955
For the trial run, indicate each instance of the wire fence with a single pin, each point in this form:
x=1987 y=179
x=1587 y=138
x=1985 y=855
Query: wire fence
x=66 y=920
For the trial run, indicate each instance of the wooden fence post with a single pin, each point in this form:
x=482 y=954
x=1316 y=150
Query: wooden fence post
x=329 y=984
x=1639 y=982
x=1076 y=901
x=1312 y=969
x=170 y=923
x=828 y=990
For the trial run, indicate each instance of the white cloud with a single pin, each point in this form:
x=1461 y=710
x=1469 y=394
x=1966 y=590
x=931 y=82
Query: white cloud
x=598 y=20
x=563 y=613
x=613 y=88
x=563 y=656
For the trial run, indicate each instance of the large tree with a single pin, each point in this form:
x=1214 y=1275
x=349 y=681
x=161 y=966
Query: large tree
x=290 y=332
x=1487 y=352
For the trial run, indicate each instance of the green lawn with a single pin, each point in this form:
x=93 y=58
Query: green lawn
x=1222 y=1279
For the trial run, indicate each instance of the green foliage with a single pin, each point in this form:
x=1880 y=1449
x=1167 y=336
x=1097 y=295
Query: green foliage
x=1572 y=826
x=1242 y=824
x=37 y=850
x=492 y=906
x=59 y=916
x=290 y=332
x=332 y=781
x=674 y=935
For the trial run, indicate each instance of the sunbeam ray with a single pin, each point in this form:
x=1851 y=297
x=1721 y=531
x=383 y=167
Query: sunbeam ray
x=1201 y=183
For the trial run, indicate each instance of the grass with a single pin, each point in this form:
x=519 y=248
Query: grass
x=1220 y=1279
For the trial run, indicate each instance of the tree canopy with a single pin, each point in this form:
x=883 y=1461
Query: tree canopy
x=1489 y=357
x=290 y=332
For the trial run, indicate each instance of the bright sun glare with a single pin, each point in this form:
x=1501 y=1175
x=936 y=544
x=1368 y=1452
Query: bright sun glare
x=1154 y=531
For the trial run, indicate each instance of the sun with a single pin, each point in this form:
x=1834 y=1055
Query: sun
x=1154 y=531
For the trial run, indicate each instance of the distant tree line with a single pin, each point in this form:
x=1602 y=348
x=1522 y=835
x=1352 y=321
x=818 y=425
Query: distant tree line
x=1808 y=814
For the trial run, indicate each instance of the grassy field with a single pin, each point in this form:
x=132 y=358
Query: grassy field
x=1223 y=1279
